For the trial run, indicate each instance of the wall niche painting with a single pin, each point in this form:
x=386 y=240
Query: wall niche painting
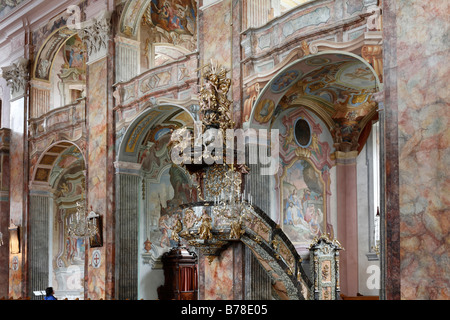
x=303 y=202
x=173 y=16
x=163 y=198
x=304 y=182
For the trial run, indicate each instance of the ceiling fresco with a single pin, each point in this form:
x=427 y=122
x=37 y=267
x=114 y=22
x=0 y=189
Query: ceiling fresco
x=338 y=87
x=57 y=160
x=152 y=129
x=173 y=16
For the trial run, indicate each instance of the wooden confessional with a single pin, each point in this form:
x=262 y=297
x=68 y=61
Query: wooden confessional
x=180 y=272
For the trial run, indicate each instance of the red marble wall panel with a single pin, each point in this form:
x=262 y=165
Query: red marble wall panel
x=417 y=149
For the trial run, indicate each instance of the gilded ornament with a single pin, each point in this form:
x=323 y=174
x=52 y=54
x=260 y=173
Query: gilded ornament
x=236 y=229
x=303 y=152
x=177 y=229
x=205 y=227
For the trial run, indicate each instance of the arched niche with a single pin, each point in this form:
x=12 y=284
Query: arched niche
x=335 y=92
x=149 y=190
x=58 y=258
x=58 y=76
x=154 y=33
x=338 y=86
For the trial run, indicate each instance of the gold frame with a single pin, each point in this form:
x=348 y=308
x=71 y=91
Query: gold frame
x=96 y=240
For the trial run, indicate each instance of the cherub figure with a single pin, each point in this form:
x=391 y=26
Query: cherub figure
x=177 y=227
x=205 y=227
x=236 y=229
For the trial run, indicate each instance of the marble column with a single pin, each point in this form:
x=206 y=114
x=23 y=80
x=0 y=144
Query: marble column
x=38 y=258
x=127 y=243
x=222 y=278
x=236 y=68
x=5 y=136
x=347 y=220
x=127 y=58
x=39 y=98
x=416 y=68
x=16 y=76
x=257 y=12
x=213 y=45
x=96 y=35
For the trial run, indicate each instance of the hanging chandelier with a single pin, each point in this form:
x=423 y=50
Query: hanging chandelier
x=231 y=206
x=82 y=224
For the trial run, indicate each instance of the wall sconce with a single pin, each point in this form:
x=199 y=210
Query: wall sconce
x=14 y=238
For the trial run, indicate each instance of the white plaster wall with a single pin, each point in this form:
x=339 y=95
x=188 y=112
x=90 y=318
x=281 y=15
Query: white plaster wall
x=365 y=267
x=149 y=281
x=4 y=97
x=55 y=97
x=332 y=212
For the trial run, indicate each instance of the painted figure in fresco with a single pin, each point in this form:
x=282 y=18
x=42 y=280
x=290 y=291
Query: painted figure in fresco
x=68 y=249
x=167 y=14
x=303 y=198
x=293 y=208
x=284 y=80
x=174 y=19
x=250 y=98
x=163 y=227
x=316 y=219
x=174 y=16
x=153 y=156
x=310 y=212
x=290 y=208
x=76 y=57
x=181 y=186
x=177 y=227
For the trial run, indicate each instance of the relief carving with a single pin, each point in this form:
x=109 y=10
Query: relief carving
x=95 y=36
x=16 y=76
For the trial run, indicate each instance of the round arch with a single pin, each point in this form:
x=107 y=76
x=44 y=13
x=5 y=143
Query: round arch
x=51 y=157
x=169 y=116
x=43 y=63
x=57 y=184
x=132 y=14
x=148 y=189
x=324 y=82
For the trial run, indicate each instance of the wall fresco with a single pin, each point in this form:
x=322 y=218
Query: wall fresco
x=304 y=181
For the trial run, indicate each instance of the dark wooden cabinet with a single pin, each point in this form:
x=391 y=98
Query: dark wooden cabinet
x=180 y=272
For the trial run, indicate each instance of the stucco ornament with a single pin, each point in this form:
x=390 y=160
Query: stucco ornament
x=16 y=76
x=95 y=35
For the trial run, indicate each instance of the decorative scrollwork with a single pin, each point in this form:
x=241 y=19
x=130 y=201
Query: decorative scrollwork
x=16 y=76
x=96 y=35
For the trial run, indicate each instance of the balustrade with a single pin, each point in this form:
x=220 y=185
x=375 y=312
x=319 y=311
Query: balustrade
x=68 y=116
